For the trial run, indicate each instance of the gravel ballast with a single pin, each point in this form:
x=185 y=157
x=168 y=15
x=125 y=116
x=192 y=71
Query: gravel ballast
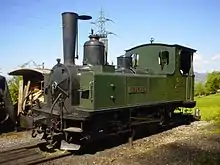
x=14 y=139
x=196 y=143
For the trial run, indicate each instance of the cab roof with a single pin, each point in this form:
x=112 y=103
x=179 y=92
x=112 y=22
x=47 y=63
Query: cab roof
x=161 y=44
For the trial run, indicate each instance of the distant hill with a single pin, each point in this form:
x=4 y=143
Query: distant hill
x=200 y=77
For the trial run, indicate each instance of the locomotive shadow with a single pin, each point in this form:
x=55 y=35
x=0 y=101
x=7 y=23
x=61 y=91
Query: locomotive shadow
x=7 y=127
x=141 y=131
x=174 y=153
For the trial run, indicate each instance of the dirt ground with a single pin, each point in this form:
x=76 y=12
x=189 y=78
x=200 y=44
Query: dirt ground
x=194 y=144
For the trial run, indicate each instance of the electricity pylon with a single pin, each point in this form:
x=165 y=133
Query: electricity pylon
x=100 y=23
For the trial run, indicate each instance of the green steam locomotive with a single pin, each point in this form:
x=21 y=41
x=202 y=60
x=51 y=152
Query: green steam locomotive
x=93 y=100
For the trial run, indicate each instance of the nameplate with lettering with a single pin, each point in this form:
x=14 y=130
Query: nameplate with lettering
x=137 y=89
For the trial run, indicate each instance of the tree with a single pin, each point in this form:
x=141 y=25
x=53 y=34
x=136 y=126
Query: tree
x=213 y=82
x=199 y=89
x=13 y=85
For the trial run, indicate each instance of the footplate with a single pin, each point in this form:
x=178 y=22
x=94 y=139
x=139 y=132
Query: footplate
x=73 y=129
x=69 y=146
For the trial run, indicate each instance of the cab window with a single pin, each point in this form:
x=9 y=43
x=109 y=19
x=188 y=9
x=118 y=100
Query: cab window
x=163 y=58
x=135 y=60
x=185 y=62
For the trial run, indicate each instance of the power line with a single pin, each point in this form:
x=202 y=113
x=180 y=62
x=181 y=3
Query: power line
x=38 y=66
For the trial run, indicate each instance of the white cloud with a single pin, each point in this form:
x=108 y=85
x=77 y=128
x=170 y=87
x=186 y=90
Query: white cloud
x=216 y=57
x=199 y=62
x=202 y=64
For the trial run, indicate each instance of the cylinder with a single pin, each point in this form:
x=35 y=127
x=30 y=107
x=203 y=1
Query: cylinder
x=124 y=62
x=70 y=25
x=6 y=98
x=94 y=51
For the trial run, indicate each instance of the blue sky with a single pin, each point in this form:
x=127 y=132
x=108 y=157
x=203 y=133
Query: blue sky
x=31 y=29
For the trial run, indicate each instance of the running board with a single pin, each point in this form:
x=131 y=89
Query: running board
x=69 y=146
x=73 y=129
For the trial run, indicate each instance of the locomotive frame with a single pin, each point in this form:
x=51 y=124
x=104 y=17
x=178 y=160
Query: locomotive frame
x=93 y=100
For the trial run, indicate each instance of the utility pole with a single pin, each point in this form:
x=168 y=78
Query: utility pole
x=100 y=23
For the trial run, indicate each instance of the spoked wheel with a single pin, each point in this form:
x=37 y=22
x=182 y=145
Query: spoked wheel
x=53 y=140
x=165 y=117
x=53 y=143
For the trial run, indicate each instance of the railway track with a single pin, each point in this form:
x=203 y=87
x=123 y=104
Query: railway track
x=29 y=154
x=32 y=153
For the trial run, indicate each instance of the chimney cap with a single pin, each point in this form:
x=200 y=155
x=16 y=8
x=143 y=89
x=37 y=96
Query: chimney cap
x=81 y=17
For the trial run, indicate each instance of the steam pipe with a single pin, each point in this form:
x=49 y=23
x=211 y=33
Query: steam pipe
x=70 y=30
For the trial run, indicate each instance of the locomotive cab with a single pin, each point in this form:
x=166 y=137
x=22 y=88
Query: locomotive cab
x=173 y=61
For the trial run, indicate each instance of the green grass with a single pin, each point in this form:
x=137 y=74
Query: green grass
x=209 y=106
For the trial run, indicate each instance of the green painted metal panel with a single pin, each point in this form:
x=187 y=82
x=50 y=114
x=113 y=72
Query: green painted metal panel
x=101 y=69
x=114 y=90
x=155 y=89
x=140 y=86
x=193 y=87
x=109 y=91
x=180 y=88
x=190 y=88
x=159 y=89
x=149 y=59
x=86 y=89
x=158 y=92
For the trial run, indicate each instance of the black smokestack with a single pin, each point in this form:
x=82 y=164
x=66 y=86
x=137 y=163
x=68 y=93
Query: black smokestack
x=70 y=22
x=70 y=29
